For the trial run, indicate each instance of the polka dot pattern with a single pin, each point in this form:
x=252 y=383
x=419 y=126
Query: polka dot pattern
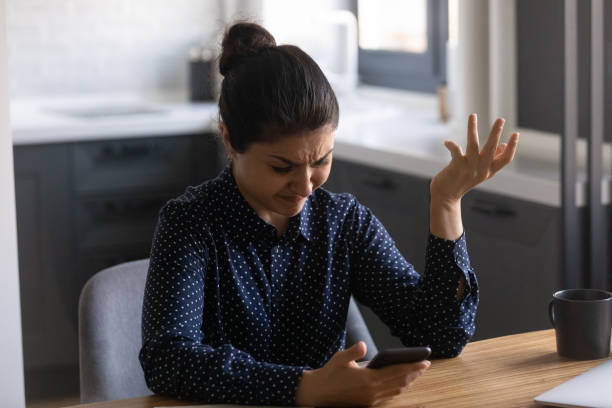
x=234 y=314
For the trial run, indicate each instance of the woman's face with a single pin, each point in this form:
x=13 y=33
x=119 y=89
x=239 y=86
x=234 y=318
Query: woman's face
x=276 y=177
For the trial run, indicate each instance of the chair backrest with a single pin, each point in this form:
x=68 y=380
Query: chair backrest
x=356 y=330
x=110 y=311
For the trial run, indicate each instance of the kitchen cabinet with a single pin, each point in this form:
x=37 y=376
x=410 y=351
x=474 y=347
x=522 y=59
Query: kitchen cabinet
x=514 y=246
x=82 y=207
x=42 y=194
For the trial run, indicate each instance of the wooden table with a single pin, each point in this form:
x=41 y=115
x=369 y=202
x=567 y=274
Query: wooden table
x=502 y=372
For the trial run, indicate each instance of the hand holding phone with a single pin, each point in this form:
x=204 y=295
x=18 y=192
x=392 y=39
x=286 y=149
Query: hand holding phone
x=338 y=382
x=403 y=355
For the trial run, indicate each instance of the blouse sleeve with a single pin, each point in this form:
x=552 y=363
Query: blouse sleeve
x=419 y=309
x=175 y=360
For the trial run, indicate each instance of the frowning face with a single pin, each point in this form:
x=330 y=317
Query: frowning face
x=276 y=177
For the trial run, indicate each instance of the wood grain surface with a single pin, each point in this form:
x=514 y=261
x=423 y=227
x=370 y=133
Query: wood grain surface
x=506 y=371
x=502 y=372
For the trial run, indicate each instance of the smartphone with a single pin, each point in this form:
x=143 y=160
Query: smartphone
x=399 y=356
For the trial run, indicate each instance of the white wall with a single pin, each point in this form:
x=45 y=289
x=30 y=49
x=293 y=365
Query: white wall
x=502 y=61
x=59 y=47
x=11 y=362
x=472 y=66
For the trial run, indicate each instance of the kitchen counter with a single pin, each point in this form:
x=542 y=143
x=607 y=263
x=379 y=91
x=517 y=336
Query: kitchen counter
x=384 y=128
x=74 y=119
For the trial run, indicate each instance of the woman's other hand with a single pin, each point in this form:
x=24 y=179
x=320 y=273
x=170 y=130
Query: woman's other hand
x=341 y=382
x=465 y=171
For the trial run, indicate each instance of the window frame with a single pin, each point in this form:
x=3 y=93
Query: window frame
x=421 y=72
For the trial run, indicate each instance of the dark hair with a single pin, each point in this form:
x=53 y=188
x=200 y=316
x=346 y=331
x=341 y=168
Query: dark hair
x=269 y=91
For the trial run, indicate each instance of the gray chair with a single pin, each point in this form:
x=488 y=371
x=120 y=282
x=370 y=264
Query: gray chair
x=110 y=310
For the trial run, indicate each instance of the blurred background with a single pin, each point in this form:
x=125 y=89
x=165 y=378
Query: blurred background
x=113 y=112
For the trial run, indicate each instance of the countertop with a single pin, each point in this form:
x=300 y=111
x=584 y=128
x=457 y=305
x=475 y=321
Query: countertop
x=384 y=128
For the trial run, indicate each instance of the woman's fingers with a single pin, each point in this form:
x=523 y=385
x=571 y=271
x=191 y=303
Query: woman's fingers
x=454 y=148
x=507 y=155
x=488 y=150
x=383 y=398
x=493 y=156
x=500 y=149
x=401 y=381
x=472 y=136
x=397 y=385
x=395 y=371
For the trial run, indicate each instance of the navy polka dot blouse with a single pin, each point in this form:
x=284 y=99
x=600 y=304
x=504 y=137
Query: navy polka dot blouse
x=234 y=314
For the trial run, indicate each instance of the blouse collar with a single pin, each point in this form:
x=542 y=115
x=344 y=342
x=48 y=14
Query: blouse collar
x=238 y=214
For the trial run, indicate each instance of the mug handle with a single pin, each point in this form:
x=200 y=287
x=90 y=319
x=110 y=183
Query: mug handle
x=551 y=314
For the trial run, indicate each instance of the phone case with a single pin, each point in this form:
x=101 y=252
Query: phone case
x=399 y=356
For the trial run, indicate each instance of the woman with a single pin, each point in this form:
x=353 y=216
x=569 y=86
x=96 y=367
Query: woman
x=251 y=272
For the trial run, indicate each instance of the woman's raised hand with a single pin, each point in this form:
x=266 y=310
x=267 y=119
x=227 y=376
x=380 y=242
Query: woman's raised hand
x=341 y=382
x=465 y=171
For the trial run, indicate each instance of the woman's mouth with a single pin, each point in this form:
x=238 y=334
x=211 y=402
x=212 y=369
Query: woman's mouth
x=294 y=199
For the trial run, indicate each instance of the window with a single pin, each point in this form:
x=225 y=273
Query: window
x=402 y=44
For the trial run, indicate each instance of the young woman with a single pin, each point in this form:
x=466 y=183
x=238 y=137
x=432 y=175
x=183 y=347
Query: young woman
x=251 y=272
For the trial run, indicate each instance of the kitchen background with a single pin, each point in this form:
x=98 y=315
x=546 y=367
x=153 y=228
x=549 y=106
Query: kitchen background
x=104 y=133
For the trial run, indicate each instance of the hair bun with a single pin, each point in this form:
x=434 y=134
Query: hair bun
x=243 y=40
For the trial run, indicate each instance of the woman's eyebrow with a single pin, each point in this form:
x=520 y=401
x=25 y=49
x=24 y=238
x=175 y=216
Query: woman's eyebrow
x=290 y=163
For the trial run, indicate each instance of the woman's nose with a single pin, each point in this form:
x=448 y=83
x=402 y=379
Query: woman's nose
x=302 y=184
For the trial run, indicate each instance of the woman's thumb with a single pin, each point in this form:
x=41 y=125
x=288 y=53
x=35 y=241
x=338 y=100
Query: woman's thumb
x=355 y=352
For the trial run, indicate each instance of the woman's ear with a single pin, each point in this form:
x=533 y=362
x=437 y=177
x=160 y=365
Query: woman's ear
x=226 y=141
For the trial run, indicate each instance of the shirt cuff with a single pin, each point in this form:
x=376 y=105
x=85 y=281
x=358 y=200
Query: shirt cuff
x=442 y=254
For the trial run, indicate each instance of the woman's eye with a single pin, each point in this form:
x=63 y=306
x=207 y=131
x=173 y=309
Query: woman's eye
x=281 y=169
x=322 y=163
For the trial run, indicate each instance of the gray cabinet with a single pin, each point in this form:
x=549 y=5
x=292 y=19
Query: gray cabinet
x=82 y=207
x=514 y=246
x=42 y=193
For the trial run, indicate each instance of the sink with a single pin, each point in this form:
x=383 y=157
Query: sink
x=102 y=111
